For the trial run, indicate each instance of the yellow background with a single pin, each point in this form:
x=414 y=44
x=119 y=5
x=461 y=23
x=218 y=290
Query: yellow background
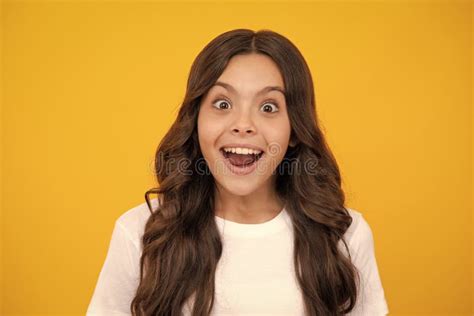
x=90 y=88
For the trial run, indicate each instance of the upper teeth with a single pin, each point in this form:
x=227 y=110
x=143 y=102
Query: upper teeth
x=241 y=150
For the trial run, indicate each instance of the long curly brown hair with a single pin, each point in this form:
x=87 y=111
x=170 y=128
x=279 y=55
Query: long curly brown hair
x=181 y=243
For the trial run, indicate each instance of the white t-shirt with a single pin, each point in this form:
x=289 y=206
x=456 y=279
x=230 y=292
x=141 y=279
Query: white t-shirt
x=254 y=276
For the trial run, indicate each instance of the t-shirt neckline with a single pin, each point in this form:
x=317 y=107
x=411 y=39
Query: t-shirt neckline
x=273 y=225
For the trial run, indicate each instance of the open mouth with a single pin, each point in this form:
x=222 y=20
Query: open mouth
x=241 y=160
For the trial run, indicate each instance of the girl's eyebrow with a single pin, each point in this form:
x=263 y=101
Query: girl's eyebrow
x=264 y=90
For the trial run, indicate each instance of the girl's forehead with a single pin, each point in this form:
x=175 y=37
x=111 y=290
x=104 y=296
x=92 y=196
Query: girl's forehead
x=254 y=68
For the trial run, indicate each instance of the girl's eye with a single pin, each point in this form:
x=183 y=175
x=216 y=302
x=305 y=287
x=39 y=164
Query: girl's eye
x=266 y=106
x=219 y=102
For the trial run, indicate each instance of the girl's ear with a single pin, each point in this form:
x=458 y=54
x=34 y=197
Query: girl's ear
x=293 y=141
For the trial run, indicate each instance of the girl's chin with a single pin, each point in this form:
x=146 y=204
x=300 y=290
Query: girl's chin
x=239 y=188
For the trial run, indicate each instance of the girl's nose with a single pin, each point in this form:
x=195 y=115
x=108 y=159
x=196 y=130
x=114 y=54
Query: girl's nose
x=245 y=130
x=243 y=126
x=243 y=123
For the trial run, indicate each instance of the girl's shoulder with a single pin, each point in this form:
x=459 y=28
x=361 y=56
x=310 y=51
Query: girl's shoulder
x=359 y=235
x=133 y=220
x=357 y=219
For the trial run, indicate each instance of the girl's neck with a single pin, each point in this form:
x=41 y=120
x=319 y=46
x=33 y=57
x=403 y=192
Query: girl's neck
x=255 y=208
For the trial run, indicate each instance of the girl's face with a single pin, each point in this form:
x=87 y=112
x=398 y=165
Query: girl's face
x=240 y=109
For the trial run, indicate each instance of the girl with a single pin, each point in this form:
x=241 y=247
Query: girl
x=250 y=216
